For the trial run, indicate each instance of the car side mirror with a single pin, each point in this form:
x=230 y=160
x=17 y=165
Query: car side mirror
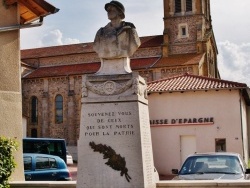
x=247 y=171
x=175 y=171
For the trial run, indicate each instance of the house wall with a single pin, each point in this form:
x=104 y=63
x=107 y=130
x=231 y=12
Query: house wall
x=223 y=106
x=10 y=84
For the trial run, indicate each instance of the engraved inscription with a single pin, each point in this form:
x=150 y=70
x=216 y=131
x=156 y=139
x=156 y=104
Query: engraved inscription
x=109 y=124
x=146 y=142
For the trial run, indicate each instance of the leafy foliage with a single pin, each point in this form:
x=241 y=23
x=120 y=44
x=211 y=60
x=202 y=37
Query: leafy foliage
x=7 y=164
x=115 y=161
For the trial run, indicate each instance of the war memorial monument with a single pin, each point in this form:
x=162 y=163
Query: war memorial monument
x=114 y=148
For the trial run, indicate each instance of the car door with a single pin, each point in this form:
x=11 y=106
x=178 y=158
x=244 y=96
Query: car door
x=27 y=161
x=43 y=170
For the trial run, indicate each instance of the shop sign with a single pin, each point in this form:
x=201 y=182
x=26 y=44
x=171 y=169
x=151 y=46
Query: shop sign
x=182 y=121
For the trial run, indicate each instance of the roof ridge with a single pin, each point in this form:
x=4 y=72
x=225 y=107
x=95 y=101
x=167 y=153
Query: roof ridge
x=200 y=77
x=187 y=82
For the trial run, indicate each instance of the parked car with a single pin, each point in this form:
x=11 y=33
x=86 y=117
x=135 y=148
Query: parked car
x=69 y=158
x=43 y=167
x=213 y=166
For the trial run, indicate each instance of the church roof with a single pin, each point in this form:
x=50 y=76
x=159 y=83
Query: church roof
x=188 y=82
x=136 y=64
x=84 y=68
x=179 y=59
x=146 y=42
x=64 y=70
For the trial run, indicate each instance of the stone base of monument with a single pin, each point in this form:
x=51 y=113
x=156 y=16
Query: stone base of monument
x=120 y=66
x=114 y=149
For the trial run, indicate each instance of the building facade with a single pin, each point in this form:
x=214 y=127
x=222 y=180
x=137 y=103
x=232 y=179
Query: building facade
x=18 y=15
x=190 y=113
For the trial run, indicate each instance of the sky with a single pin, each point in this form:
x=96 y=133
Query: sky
x=78 y=20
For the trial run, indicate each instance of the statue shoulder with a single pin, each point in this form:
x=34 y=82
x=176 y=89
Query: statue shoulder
x=100 y=31
x=129 y=24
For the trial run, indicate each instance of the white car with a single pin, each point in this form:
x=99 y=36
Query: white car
x=69 y=158
x=213 y=166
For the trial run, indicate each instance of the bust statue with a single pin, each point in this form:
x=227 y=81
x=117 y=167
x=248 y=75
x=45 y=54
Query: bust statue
x=116 y=42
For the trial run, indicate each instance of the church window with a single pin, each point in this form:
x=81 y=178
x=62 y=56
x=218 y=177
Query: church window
x=59 y=109
x=189 y=5
x=177 y=6
x=34 y=110
x=183 y=30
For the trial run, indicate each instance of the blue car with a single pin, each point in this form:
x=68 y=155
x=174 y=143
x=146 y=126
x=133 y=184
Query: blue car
x=42 y=167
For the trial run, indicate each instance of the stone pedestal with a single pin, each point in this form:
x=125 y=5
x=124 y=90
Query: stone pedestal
x=115 y=150
x=109 y=67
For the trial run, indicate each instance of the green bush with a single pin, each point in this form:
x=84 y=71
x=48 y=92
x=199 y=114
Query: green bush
x=7 y=164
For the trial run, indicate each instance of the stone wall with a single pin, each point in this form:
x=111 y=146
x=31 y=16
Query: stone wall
x=161 y=184
x=46 y=90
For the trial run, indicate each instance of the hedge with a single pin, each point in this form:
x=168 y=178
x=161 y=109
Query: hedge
x=7 y=164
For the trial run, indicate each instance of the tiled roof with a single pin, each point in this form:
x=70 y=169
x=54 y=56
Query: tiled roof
x=57 y=50
x=188 y=82
x=136 y=64
x=85 y=68
x=65 y=70
x=143 y=63
x=180 y=59
x=151 y=41
x=146 y=42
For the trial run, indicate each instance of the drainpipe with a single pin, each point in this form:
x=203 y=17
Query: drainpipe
x=241 y=123
x=15 y=27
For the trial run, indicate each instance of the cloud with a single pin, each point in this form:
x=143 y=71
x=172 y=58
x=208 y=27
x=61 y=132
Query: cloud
x=52 y=38
x=234 y=61
x=55 y=38
x=43 y=38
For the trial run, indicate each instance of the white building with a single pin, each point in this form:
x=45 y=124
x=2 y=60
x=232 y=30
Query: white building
x=191 y=113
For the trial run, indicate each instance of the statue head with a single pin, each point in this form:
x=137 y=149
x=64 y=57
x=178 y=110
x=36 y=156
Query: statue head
x=119 y=7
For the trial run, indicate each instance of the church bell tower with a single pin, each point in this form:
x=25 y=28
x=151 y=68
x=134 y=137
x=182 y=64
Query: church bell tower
x=188 y=30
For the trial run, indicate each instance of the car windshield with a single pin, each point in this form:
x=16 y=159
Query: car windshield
x=211 y=164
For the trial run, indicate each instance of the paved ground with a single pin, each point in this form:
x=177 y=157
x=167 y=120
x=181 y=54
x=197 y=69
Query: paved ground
x=73 y=171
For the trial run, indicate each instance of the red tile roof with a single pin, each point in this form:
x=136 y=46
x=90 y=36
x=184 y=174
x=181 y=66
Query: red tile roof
x=178 y=60
x=146 y=42
x=136 y=64
x=143 y=63
x=65 y=70
x=85 y=68
x=57 y=50
x=151 y=41
x=188 y=82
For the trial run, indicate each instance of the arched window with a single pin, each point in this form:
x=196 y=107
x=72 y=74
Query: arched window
x=189 y=5
x=59 y=109
x=177 y=6
x=34 y=110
